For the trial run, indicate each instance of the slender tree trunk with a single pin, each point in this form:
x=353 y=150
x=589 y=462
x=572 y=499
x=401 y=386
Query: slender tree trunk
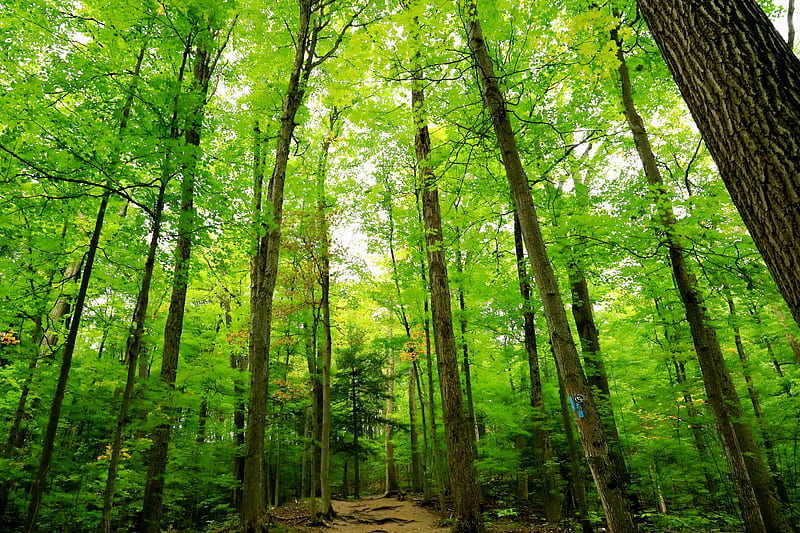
x=264 y=273
x=439 y=474
x=391 y=468
x=48 y=444
x=132 y=351
x=541 y=443
x=416 y=463
x=152 y=508
x=134 y=342
x=760 y=507
x=609 y=480
x=790 y=24
x=326 y=507
x=466 y=369
x=356 y=431
x=597 y=376
x=769 y=446
x=577 y=480
x=468 y=517
x=741 y=82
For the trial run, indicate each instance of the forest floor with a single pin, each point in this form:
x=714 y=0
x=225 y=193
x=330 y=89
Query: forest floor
x=377 y=514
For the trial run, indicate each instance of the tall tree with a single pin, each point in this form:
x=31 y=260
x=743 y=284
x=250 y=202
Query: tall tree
x=610 y=482
x=458 y=437
x=741 y=82
x=760 y=506
x=205 y=44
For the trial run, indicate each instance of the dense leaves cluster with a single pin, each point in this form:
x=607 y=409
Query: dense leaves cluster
x=103 y=102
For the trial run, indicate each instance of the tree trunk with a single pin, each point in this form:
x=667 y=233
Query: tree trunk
x=577 y=480
x=416 y=463
x=152 y=507
x=467 y=503
x=133 y=346
x=769 y=446
x=391 y=468
x=132 y=351
x=264 y=273
x=48 y=444
x=542 y=448
x=597 y=376
x=326 y=507
x=741 y=82
x=760 y=507
x=609 y=480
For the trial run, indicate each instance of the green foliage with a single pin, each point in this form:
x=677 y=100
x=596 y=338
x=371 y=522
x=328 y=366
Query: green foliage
x=65 y=73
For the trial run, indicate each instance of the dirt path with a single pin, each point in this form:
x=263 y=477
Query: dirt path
x=375 y=514
x=383 y=515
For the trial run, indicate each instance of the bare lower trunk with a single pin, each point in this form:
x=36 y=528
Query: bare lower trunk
x=467 y=516
x=541 y=443
x=48 y=444
x=609 y=480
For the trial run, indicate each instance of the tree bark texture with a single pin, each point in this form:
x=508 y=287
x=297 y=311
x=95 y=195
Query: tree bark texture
x=466 y=495
x=264 y=273
x=741 y=82
x=760 y=507
x=152 y=506
x=609 y=481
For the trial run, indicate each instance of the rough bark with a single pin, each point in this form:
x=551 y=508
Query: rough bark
x=760 y=507
x=264 y=273
x=609 y=481
x=152 y=506
x=467 y=503
x=741 y=82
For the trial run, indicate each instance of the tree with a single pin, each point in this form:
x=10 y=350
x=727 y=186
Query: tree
x=458 y=433
x=610 y=482
x=741 y=82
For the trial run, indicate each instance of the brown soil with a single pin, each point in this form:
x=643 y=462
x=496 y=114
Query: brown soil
x=373 y=514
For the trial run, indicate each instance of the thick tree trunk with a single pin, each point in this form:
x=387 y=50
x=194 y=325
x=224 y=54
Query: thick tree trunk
x=264 y=273
x=542 y=448
x=741 y=82
x=152 y=507
x=467 y=503
x=609 y=480
x=760 y=507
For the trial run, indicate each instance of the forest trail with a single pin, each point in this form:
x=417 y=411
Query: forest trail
x=376 y=514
